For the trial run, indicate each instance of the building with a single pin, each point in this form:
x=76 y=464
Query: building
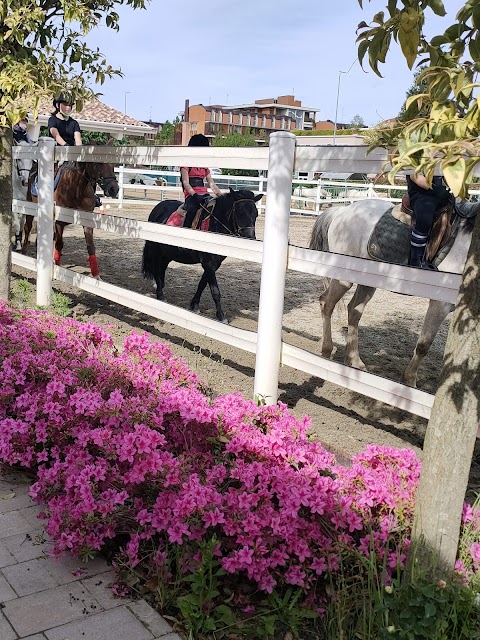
x=329 y=125
x=260 y=118
x=95 y=116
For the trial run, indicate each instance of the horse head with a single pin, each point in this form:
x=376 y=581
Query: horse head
x=23 y=166
x=242 y=212
x=104 y=176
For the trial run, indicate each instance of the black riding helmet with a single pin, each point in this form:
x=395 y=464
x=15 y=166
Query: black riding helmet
x=199 y=140
x=65 y=98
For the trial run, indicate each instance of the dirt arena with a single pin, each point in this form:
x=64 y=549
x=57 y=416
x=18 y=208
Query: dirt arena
x=345 y=421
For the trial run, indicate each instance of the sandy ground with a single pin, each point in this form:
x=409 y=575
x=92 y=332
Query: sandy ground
x=345 y=421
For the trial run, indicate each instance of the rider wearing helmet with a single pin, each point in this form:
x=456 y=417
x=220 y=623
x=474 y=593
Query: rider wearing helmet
x=64 y=129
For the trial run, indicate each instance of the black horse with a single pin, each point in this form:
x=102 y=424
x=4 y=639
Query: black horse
x=233 y=213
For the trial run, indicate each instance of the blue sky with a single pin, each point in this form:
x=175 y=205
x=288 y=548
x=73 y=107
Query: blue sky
x=236 y=51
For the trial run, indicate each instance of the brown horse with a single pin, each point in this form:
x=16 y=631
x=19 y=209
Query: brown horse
x=76 y=190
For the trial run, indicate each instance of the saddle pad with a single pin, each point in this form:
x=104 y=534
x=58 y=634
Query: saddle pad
x=177 y=220
x=390 y=240
x=34 y=186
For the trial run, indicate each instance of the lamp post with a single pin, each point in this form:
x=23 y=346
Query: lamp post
x=338 y=96
x=125 y=110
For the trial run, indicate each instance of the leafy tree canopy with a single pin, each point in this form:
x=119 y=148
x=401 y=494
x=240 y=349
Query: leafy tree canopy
x=357 y=121
x=43 y=51
x=235 y=139
x=442 y=124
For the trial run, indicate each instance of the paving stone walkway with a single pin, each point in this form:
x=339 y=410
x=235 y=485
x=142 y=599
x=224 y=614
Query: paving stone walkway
x=43 y=598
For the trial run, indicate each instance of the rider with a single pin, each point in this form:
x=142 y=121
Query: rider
x=193 y=183
x=64 y=129
x=20 y=133
x=424 y=201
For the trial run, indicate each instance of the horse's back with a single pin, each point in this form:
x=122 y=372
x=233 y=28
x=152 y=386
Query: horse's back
x=162 y=211
x=347 y=229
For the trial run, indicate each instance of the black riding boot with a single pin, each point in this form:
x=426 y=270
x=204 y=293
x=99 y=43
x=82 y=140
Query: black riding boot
x=417 y=259
x=416 y=256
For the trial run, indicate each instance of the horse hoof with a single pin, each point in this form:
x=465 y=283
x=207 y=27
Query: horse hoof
x=154 y=286
x=224 y=321
x=96 y=277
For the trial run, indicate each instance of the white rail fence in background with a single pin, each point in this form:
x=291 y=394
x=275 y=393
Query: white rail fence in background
x=274 y=254
x=309 y=196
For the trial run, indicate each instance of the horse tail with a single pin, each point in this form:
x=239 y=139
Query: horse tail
x=149 y=259
x=319 y=237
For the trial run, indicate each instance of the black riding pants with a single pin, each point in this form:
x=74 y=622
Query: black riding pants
x=192 y=205
x=425 y=202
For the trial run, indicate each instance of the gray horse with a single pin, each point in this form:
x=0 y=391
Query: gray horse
x=346 y=230
x=20 y=172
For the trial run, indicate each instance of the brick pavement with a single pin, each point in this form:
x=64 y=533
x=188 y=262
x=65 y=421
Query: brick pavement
x=43 y=598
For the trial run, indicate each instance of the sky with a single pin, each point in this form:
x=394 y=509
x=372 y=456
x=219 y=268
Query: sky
x=237 y=51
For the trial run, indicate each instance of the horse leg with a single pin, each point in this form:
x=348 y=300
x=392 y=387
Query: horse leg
x=92 y=258
x=436 y=313
x=18 y=236
x=328 y=300
x=58 y=243
x=27 y=228
x=209 y=276
x=356 y=307
x=195 y=302
x=159 y=276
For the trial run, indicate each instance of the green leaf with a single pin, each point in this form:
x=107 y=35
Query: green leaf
x=409 y=41
x=362 y=50
x=436 y=41
x=455 y=172
x=392 y=7
x=476 y=16
x=474 y=48
x=437 y=7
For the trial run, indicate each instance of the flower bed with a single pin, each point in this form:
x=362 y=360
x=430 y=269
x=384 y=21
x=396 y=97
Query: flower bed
x=133 y=456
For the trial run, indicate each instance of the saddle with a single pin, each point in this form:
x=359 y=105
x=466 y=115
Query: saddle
x=34 y=175
x=390 y=239
x=201 y=220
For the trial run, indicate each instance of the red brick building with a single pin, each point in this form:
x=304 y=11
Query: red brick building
x=261 y=118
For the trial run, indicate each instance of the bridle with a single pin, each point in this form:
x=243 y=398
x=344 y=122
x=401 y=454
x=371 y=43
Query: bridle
x=102 y=181
x=232 y=218
x=19 y=171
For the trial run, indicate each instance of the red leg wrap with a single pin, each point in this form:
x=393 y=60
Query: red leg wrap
x=94 y=266
x=57 y=257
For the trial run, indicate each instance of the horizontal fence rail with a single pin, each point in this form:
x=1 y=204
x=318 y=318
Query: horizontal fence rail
x=434 y=285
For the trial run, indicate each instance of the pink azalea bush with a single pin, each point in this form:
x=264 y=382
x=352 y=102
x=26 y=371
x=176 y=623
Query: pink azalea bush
x=131 y=453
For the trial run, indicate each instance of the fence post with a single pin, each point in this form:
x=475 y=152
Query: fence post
x=45 y=220
x=274 y=265
x=371 y=192
x=120 y=186
x=318 y=196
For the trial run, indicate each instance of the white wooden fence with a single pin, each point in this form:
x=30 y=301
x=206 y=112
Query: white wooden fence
x=274 y=254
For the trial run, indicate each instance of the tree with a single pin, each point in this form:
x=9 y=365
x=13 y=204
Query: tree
x=445 y=136
x=167 y=132
x=42 y=51
x=357 y=122
x=235 y=139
